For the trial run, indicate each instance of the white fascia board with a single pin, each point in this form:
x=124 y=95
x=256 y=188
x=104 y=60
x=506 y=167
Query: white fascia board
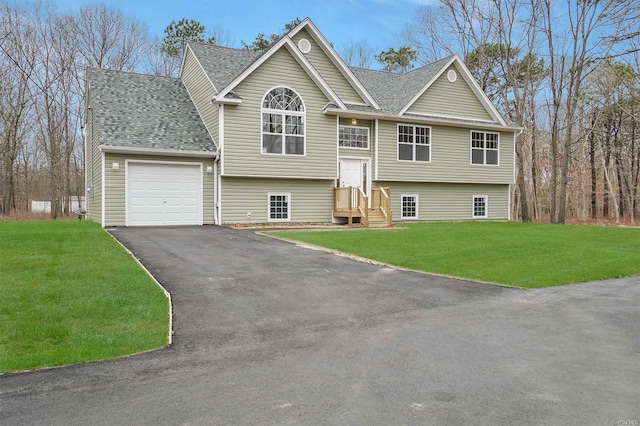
x=336 y=59
x=156 y=151
x=420 y=120
x=228 y=101
x=184 y=56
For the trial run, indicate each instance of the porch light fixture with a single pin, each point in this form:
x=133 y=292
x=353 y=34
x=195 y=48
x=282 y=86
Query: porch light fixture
x=115 y=166
x=354 y=121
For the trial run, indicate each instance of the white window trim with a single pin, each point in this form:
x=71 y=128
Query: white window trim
x=272 y=194
x=284 y=113
x=484 y=150
x=355 y=127
x=430 y=145
x=417 y=216
x=486 y=206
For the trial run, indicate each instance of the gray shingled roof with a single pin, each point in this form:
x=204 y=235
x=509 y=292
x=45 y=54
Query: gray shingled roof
x=145 y=111
x=394 y=91
x=223 y=64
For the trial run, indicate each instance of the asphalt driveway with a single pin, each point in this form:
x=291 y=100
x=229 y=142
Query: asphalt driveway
x=267 y=332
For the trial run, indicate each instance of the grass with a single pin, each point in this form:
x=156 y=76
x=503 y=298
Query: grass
x=69 y=293
x=516 y=254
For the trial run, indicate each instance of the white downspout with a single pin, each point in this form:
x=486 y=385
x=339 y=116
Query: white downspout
x=216 y=191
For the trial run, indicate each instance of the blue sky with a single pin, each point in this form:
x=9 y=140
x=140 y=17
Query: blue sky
x=379 y=22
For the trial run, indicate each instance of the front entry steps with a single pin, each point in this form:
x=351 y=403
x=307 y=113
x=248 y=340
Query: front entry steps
x=353 y=203
x=377 y=219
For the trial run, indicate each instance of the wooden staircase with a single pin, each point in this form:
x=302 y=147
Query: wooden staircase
x=353 y=203
x=377 y=219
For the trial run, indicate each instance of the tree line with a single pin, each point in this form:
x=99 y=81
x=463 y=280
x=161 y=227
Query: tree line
x=566 y=72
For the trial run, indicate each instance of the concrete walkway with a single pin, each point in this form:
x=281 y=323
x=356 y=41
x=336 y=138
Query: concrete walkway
x=267 y=332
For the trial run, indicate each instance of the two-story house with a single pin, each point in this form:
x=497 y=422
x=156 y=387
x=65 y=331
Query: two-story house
x=293 y=134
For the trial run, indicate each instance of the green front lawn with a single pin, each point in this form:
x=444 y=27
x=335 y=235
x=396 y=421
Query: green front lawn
x=516 y=254
x=69 y=293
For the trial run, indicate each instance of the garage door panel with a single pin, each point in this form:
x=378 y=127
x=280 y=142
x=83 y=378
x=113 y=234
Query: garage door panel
x=164 y=194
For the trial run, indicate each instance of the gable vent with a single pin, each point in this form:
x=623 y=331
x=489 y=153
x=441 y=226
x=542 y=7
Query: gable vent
x=452 y=76
x=304 y=45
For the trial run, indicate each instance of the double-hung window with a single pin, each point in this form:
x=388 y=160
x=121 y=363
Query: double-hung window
x=414 y=143
x=283 y=122
x=484 y=148
x=353 y=137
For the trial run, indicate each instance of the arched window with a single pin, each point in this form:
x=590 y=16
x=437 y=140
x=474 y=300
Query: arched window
x=283 y=122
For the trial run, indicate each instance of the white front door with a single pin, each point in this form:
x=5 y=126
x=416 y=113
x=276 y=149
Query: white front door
x=355 y=172
x=351 y=173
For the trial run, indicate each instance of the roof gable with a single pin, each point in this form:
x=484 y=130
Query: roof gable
x=286 y=43
x=394 y=91
x=484 y=108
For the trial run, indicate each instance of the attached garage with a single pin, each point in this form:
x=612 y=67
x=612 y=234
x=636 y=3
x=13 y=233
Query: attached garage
x=163 y=194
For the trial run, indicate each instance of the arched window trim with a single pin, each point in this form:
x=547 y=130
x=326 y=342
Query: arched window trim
x=282 y=127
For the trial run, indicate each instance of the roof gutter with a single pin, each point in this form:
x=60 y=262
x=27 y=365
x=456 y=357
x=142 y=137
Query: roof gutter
x=156 y=151
x=422 y=120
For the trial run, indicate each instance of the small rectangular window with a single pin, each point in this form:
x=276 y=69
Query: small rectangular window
x=279 y=207
x=480 y=206
x=414 y=143
x=353 y=137
x=409 y=206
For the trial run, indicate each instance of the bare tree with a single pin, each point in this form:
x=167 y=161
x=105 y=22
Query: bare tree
x=159 y=63
x=357 y=54
x=17 y=62
x=220 y=35
x=454 y=26
x=105 y=38
x=573 y=52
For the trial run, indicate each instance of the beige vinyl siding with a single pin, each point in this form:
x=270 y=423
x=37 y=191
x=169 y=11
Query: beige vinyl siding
x=94 y=174
x=450 y=158
x=450 y=99
x=328 y=70
x=115 y=192
x=242 y=127
x=448 y=201
x=311 y=200
x=201 y=92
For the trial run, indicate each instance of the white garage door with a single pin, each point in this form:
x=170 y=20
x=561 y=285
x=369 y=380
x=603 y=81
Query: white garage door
x=164 y=194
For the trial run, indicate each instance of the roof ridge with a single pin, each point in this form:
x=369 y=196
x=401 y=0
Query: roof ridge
x=445 y=59
x=203 y=43
x=143 y=74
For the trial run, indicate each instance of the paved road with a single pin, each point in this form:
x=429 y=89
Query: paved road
x=267 y=332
